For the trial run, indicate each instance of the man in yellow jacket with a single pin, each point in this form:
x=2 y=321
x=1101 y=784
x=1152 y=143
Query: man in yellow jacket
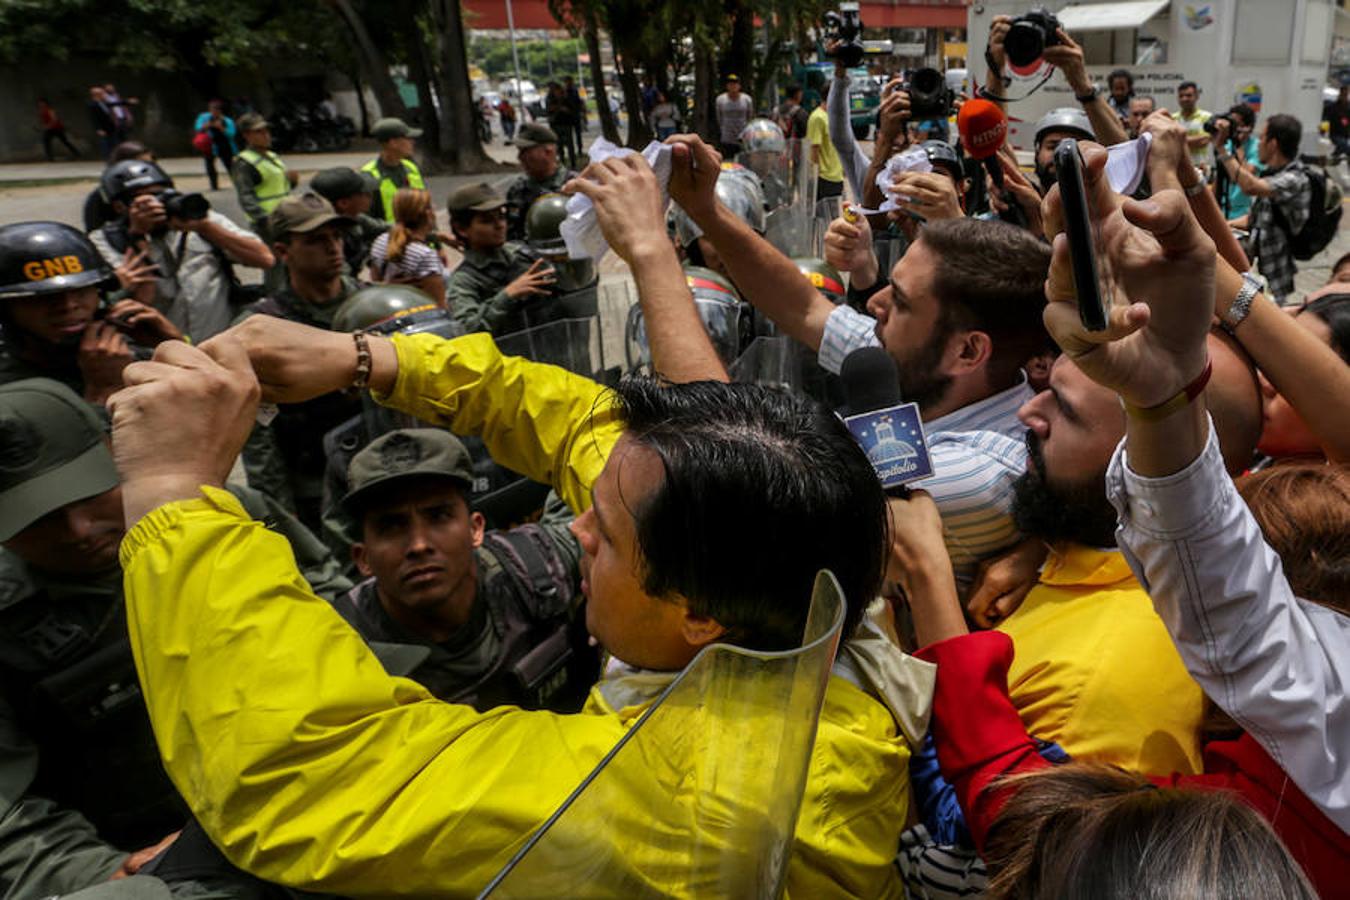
x=705 y=511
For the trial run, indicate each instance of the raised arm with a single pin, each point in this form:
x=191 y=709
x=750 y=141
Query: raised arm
x=854 y=161
x=1068 y=56
x=627 y=201
x=766 y=278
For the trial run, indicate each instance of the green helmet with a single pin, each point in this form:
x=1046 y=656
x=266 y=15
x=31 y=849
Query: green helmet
x=375 y=305
x=543 y=234
x=823 y=277
x=725 y=317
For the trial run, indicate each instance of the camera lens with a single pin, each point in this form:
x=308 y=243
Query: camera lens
x=1024 y=43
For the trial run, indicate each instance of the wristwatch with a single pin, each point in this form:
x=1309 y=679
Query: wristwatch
x=1088 y=97
x=1241 y=306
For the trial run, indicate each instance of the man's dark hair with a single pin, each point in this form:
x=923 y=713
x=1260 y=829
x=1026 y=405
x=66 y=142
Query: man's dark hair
x=991 y=277
x=1243 y=112
x=1334 y=310
x=792 y=90
x=1188 y=84
x=1121 y=73
x=127 y=150
x=762 y=490
x=1286 y=131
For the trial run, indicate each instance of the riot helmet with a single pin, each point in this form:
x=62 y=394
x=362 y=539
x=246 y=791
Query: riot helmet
x=738 y=189
x=1066 y=118
x=47 y=258
x=763 y=136
x=120 y=180
x=943 y=154
x=725 y=317
x=823 y=277
x=394 y=308
x=543 y=234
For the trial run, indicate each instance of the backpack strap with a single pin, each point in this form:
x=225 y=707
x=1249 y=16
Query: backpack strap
x=540 y=577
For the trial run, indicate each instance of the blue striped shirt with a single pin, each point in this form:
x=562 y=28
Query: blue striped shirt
x=978 y=451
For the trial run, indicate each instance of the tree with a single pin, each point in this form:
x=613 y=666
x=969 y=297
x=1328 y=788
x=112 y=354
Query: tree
x=372 y=60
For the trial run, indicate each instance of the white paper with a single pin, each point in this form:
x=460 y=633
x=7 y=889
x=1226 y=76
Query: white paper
x=1126 y=164
x=912 y=160
x=580 y=230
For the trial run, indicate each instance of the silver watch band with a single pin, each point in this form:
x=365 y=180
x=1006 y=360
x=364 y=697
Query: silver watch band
x=1241 y=306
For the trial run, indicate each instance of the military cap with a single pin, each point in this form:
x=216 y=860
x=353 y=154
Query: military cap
x=336 y=183
x=52 y=452
x=480 y=197
x=534 y=134
x=302 y=213
x=406 y=453
x=251 y=122
x=386 y=129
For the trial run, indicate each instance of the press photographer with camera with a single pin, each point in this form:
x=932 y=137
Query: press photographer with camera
x=193 y=247
x=1282 y=198
x=1242 y=142
x=1020 y=42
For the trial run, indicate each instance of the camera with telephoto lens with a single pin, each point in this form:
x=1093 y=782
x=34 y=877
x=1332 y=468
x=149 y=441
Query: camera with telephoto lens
x=845 y=26
x=929 y=96
x=1211 y=123
x=187 y=207
x=1029 y=35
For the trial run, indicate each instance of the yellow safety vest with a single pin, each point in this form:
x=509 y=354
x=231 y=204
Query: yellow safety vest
x=274 y=185
x=387 y=188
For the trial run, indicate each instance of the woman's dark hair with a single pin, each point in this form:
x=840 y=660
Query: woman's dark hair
x=1244 y=112
x=1334 y=309
x=1093 y=832
x=762 y=490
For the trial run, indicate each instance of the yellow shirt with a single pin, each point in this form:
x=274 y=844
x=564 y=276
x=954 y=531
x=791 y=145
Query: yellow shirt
x=1096 y=671
x=309 y=766
x=1195 y=126
x=818 y=132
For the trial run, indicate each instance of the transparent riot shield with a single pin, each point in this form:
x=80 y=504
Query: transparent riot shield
x=572 y=344
x=822 y=214
x=779 y=361
x=700 y=797
x=788 y=227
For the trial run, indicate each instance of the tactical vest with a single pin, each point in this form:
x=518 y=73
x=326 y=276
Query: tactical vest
x=388 y=189
x=84 y=711
x=274 y=184
x=545 y=659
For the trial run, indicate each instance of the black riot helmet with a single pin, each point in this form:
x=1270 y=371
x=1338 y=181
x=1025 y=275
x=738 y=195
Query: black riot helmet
x=47 y=258
x=121 y=179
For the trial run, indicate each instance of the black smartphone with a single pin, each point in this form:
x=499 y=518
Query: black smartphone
x=1078 y=227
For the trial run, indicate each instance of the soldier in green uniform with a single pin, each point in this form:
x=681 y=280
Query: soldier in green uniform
x=393 y=168
x=543 y=174
x=260 y=177
x=53 y=320
x=82 y=788
x=494 y=616
x=284 y=458
x=350 y=193
x=491 y=288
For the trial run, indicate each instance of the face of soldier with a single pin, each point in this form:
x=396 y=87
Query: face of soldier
x=78 y=539
x=314 y=255
x=401 y=147
x=55 y=318
x=540 y=161
x=639 y=629
x=418 y=543
x=1045 y=157
x=259 y=138
x=487 y=230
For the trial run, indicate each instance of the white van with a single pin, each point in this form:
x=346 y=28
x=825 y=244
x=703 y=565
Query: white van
x=1272 y=54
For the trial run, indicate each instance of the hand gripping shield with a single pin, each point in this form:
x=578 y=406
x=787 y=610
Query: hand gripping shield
x=700 y=797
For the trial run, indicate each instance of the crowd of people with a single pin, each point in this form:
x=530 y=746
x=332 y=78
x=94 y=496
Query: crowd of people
x=267 y=632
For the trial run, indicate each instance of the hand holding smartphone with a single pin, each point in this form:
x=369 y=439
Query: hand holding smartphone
x=1094 y=291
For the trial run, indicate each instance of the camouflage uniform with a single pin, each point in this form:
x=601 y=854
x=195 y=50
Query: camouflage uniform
x=356 y=243
x=523 y=192
x=81 y=781
x=476 y=290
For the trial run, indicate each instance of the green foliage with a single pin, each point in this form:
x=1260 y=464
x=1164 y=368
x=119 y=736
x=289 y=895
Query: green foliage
x=493 y=56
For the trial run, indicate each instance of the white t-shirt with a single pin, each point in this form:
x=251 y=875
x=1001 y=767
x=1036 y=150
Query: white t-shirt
x=732 y=116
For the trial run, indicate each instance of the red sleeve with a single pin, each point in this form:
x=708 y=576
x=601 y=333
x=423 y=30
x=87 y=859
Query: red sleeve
x=975 y=726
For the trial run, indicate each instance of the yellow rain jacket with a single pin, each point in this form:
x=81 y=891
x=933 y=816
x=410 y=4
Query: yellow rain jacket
x=308 y=765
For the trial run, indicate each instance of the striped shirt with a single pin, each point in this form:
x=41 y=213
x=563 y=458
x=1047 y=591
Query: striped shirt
x=418 y=260
x=978 y=451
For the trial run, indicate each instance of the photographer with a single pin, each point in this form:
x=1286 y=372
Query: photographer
x=1242 y=143
x=1282 y=197
x=192 y=246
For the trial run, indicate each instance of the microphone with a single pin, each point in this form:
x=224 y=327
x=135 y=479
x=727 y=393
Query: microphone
x=887 y=428
x=983 y=127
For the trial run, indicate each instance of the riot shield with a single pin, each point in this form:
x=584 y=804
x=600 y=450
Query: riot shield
x=700 y=797
x=823 y=213
x=779 y=361
x=788 y=228
x=572 y=344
